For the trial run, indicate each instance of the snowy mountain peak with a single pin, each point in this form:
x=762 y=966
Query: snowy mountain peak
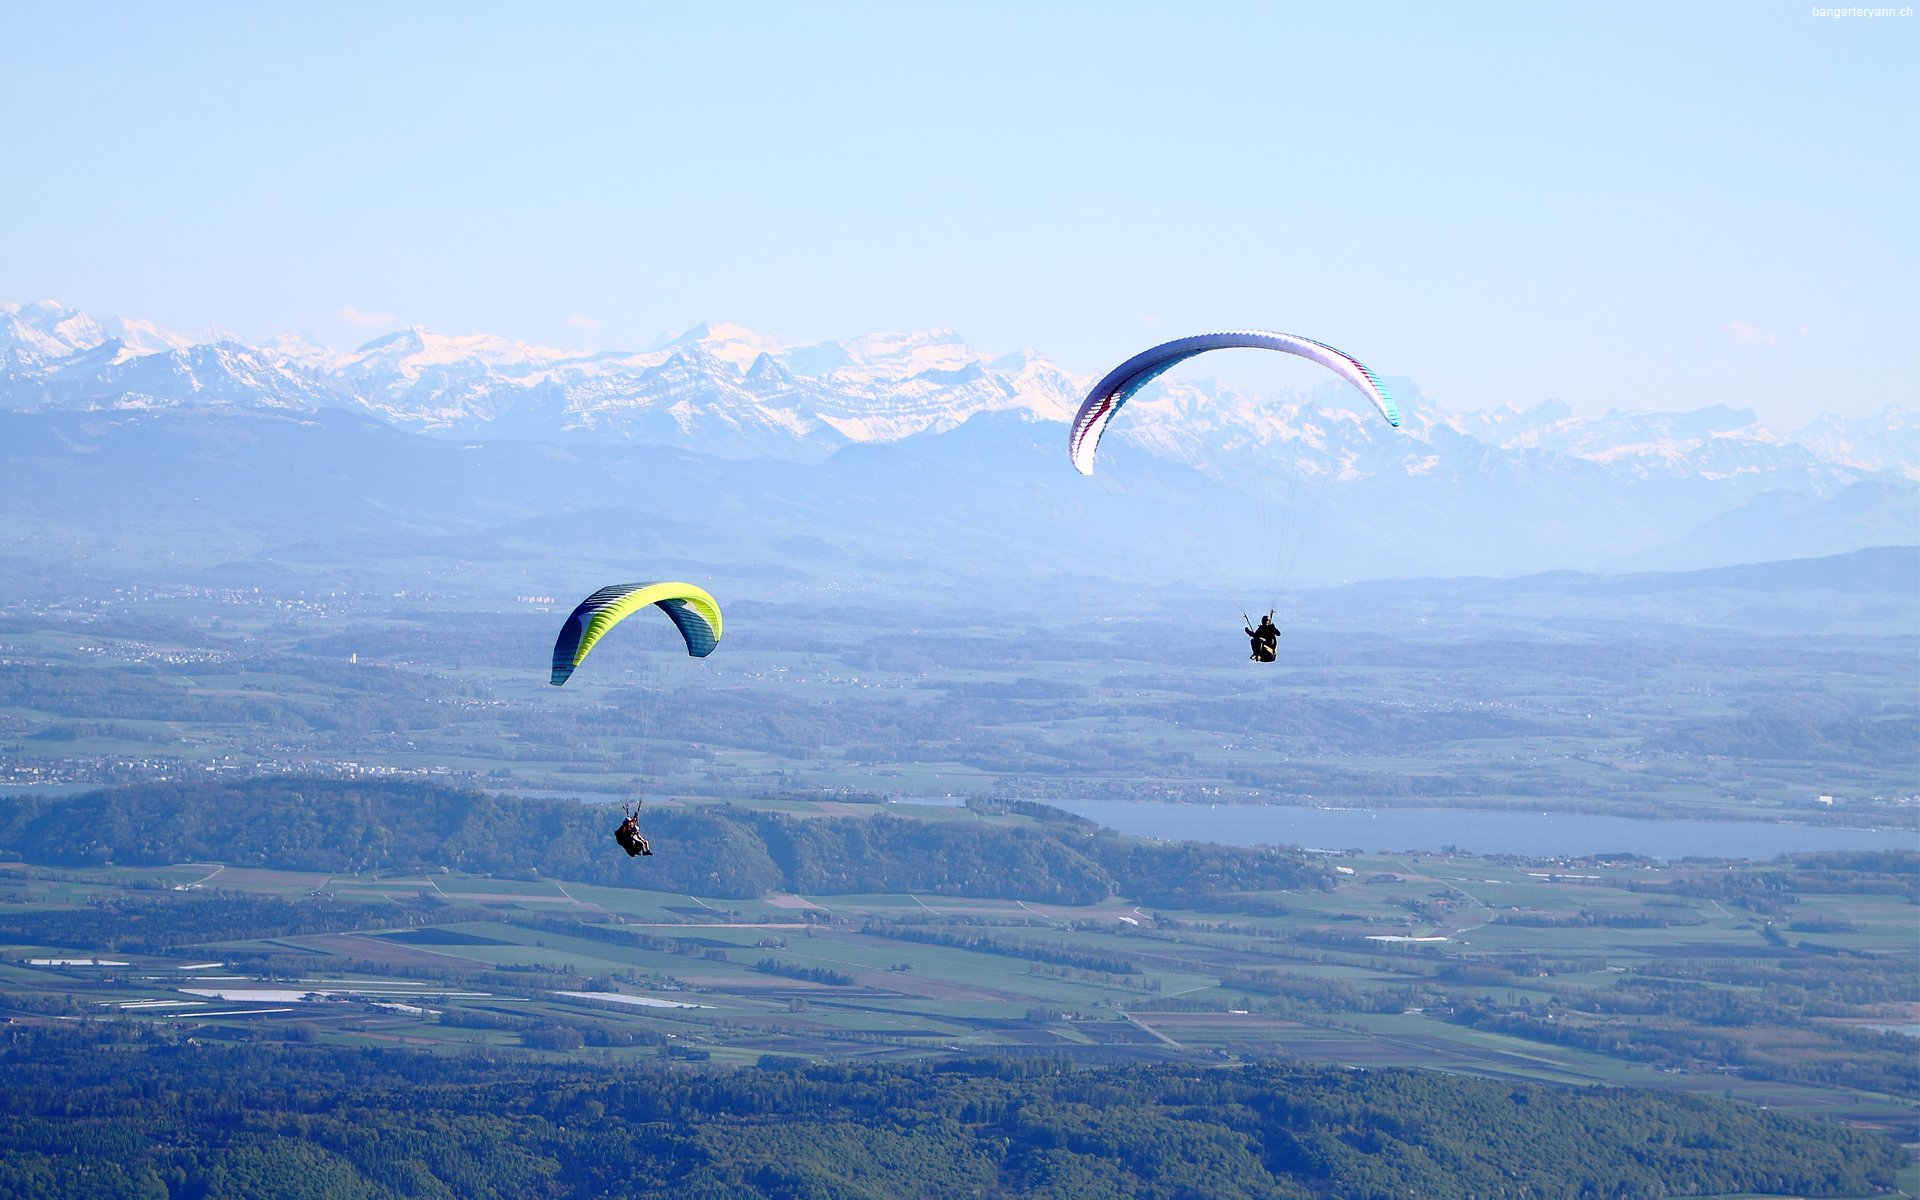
x=137 y=339
x=31 y=334
x=44 y=332
x=306 y=353
x=729 y=343
x=906 y=354
x=1886 y=442
x=767 y=369
x=415 y=350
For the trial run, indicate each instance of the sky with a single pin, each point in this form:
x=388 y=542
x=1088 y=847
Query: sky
x=1616 y=205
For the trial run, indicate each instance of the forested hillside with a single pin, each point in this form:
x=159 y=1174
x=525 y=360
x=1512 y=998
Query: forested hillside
x=720 y=850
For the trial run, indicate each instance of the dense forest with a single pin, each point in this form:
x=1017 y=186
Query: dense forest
x=720 y=850
x=96 y=1110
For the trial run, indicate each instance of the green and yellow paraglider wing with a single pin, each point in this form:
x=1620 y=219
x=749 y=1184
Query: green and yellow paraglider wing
x=691 y=609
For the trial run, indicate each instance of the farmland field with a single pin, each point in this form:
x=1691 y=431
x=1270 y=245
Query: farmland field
x=1511 y=969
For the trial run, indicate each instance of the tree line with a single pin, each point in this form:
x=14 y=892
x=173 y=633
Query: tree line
x=166 y=1118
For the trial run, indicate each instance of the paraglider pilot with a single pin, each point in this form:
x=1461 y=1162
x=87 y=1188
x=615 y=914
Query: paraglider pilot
x=628 y=835
x=1266 y=640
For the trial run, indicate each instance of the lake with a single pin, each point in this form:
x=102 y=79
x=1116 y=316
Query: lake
x=1478 y=831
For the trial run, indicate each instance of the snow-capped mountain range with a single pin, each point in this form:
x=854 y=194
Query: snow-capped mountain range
x=719 y=389
x=728 y=391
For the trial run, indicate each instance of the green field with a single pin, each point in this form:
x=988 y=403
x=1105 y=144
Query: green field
x=1564 y=976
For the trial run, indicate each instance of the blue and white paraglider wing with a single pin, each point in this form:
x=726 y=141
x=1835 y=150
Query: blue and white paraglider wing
x=1104 y=402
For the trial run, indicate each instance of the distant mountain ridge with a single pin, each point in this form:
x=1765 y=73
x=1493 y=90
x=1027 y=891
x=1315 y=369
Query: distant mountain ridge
x=1501 y=491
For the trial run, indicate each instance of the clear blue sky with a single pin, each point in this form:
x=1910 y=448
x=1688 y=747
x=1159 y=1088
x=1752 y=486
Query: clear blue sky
x=1658 y=206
